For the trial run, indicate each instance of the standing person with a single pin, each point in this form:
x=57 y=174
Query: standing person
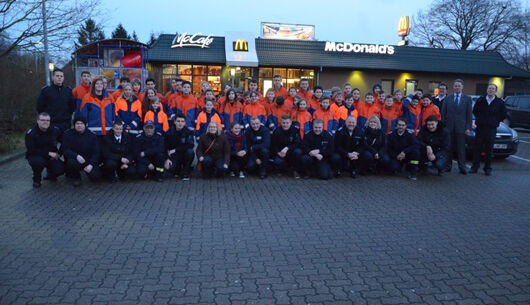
x=254 y=109
x=348 y=89
x=81 y=151
x=213 y=152
x=137 y=88
x=400 y=101
x=149 y=153
x=412 y=114
x=489 y=111
x=129 y=110
x=325 y=114
x=98 y=109
x=231 y=109
x=440 y=98
x=118 y=93
x=403 y=149
x=428 y=109
x=348 y=148
x=374 y=151
x=80 y=91
x=257 y=145
x=375 y=92
x=434 y=145
x=188 y=105
x=346 y=110
x=457 y=117
x=290 y=99
x=42 y=152
x=305 y=91
x=207 y=115
x=238 y=153
x=277 y=86
x=179 y=145
x=285 y=146
x=314 y=101
x=367 y=109
x=317 y=149
x=208 y=96
x=157 y=116
x=174 y=89
x=389 y=114
x=278 y=109
x=151 y=84
x=58 y=101
x=253 y=86
x=356 y=97
x=117 y=153
x=302 y=118
x=381 y=99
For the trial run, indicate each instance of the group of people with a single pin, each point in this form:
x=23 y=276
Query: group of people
x=296 y=131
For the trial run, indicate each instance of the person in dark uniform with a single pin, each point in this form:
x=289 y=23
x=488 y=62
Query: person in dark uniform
x=81 y=151
x=317 y=147
x=149 y=152
x=42 y=152
x=434 y=141
x=257 y=144
x=285 y=146
x=179 y=144
x=349 y=147
x=117 y=153
x=403 y=149
x=58 y=101
x=489 y=111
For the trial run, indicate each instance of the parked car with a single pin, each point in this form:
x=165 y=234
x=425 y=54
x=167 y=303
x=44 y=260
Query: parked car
x=518 y=110
x=506 y=140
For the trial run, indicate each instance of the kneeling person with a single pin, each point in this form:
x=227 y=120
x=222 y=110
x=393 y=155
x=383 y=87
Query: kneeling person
x=317 y=147
x=213 y=152
x=81 y=152
x=348 y=147
x=285 y=146
x=257 y=143
x=403 y=149
x=149 y=152
x=117 y=153
x=42 y=152
x=179 y=146
x=434 y=143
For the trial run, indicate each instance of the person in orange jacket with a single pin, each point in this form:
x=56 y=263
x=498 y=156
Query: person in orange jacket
x=129 y=110
x=268 y=101
x=254 y=109
x=413 y=115
x=231 y=110
x=221 y=99
x=338 y=102
x=302 y=118
x=278 y=109
x=98 y=109
x=116 y=94
x=347 y=109
x=367 y=109
x=188 y=105
x=428 y=109
x=253 y=86
x=80 y=91
x=176 y=88
x=375 y=92
x=356 y=97
x=290 y=99
x=208 y=95
x=399 y=101
x=389 y=115
x=305 y=91
x=207 y=115
x=157 y=116
x=381 y=97
x=137 y=88
x=348 y=89
x=314 y=102
x=325 y=114
x=149 y=97
x=277 y=85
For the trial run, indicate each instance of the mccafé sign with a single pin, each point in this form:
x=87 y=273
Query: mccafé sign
x=240 y=45
x=195 y=40
x=347 y=47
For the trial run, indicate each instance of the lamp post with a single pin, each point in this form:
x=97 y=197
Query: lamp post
x=45 y=40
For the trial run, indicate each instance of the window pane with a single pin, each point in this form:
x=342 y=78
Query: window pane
x=186 y=77
x=214 y=70
x=282 y=72
x=307 y=73
x=293 y=73
x=169 y=69
x=388 y=86
x=166 y=83
x=433 y=87
x=184 y=70
x=292 y=83
x=265 y=72
x=199 y=70
x=215 y=84
x=197 y=80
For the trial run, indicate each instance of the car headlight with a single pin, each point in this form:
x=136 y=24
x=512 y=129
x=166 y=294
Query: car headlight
x=515 y=136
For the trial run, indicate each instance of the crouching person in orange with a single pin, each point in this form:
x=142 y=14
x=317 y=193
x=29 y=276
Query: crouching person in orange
x=81 y=151
x=41 y=144
x=317 y=147
x=179 y=146
x=149 y=153
x=156 y=115
x=117 y=153
x=213 y=152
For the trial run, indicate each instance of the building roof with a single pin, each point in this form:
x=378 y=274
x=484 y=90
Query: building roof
x=92 y=48
x=161 y=51
x=274 y=52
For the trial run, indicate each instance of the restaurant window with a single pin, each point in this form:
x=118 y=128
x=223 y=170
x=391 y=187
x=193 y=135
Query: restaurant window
x=410 y=86
x=290 y=77
x=388 y=86
x=433 y=88
x=196 y=74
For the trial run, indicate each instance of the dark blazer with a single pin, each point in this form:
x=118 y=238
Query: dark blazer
x=489 y=115
x=457 y=118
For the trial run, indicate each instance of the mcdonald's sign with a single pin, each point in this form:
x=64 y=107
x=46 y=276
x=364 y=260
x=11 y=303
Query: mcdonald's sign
x=404 y=26
x=240 y=45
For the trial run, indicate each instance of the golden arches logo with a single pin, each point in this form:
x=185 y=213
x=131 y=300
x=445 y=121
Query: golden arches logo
x=404 y=26
x=241 y=45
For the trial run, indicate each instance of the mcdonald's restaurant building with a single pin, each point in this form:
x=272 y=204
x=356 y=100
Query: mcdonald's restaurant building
x=240 y=56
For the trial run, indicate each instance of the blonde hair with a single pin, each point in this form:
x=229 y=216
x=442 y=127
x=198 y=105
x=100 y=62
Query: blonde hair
x=375 y=119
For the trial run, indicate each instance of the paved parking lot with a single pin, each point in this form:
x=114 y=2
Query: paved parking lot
x=373 y=240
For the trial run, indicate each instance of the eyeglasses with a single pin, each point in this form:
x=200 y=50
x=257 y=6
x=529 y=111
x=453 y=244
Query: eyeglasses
x=43 y=120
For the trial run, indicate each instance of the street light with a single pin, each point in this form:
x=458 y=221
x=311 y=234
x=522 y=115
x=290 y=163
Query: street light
x=51 y=66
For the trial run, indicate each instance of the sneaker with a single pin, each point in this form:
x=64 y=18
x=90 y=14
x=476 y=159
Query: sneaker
x=296 y=175
x=232 y=174
x=241 y=175
x=413 y=177
x=185 y=178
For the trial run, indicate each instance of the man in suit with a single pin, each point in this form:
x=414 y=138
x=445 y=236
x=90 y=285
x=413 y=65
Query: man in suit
x=489 y=111
x=457 y=117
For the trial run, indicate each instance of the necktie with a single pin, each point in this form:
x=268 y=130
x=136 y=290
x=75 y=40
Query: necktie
x=457 y=99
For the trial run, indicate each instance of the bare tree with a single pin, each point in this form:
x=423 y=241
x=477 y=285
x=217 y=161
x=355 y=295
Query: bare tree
x=21 y=24
x=486 y=25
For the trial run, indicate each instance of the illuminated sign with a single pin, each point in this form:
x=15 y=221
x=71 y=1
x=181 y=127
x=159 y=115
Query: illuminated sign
x=404 y=26
x=347 y=47
x=287 y=31
x=240 y=45
x=195 y=40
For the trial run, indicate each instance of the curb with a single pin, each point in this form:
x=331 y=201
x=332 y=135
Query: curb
x=12 y=156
